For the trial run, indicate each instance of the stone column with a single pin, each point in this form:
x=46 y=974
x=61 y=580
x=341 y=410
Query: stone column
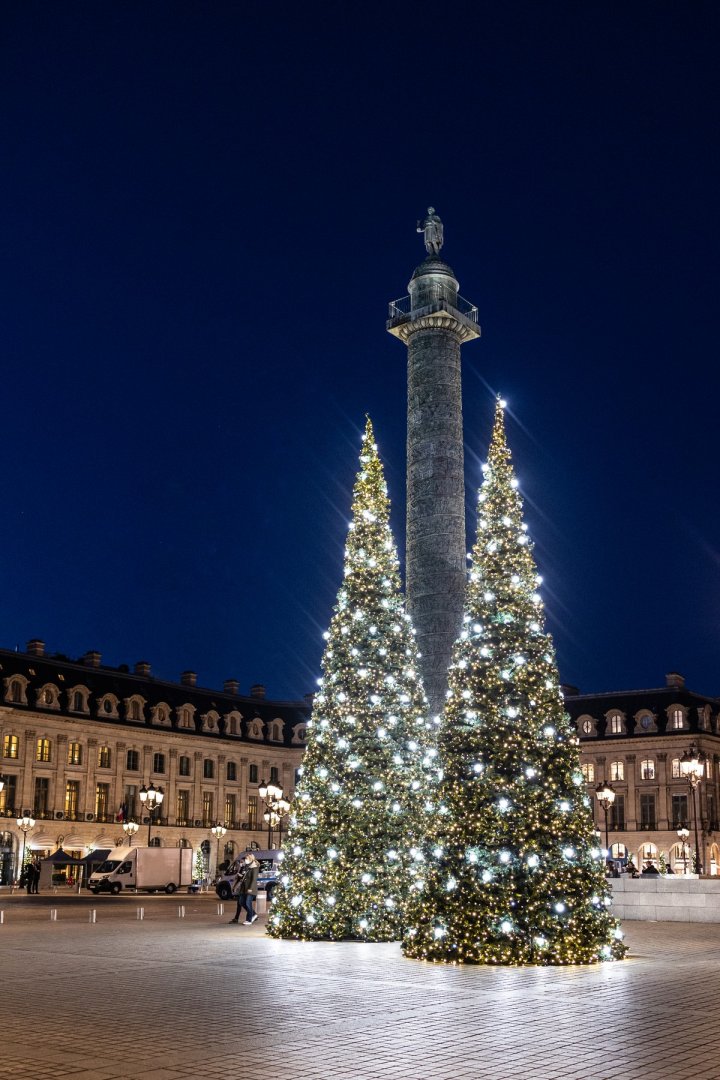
x=434 y=322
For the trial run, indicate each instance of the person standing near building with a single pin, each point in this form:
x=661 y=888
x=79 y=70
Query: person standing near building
x=250 y=882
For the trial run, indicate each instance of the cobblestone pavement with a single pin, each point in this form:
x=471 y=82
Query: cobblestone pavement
x=171 y=998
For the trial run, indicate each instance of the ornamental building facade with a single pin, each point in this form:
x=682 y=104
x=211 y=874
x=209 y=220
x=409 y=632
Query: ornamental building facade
x=79 y=740
x=634 y=740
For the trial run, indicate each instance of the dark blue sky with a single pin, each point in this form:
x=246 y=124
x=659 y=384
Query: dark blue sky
x=205 y=210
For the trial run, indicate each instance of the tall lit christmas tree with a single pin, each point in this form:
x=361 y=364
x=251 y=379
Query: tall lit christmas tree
x=366 y=775
x=513 y=872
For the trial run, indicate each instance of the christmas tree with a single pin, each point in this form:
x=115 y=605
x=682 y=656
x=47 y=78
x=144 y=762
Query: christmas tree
x=513 y=872
x=365 y=779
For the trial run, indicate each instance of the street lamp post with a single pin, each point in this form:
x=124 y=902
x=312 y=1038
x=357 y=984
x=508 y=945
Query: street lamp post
x=277 y=807
x=25 y=823
x=605 y=795
x=683 y=834
x=130 y=828
x=218 y=832
x=692 y=767
x=152 y=798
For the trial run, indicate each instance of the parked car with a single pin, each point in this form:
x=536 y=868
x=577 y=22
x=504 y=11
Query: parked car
x=267 y=876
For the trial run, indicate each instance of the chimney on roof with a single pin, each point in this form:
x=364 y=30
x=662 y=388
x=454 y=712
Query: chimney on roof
x=142 y=668
x=675 y=681
x=92 y=659
x=258 y=690
x=569 y=691
x=36 y=647
x=231 y=686
x=189 y=678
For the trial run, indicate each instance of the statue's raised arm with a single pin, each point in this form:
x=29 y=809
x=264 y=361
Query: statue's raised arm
x=432 y=227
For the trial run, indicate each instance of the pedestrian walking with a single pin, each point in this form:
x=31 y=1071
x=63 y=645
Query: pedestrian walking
x=35 y=880
x=238 y=891
x=250 y=883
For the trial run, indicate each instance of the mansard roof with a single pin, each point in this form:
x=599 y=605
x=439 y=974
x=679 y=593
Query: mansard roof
x=656 y=700
x=67 y=674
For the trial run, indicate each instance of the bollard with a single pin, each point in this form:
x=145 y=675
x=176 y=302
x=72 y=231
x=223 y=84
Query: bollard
x=93 y=915
x=53 y=914
x=221 y=909
x=181 y=911
x=140 y=913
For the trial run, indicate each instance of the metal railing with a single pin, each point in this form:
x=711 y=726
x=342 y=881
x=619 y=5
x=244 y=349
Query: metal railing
x=436 y=294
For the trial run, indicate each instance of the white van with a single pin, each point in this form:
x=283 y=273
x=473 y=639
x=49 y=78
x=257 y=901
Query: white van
x=150 y=869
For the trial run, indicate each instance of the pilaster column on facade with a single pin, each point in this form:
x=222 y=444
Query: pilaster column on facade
x=170 y=800
x=60 y=773
x=632 y=808
x=244 y=791
x=28 y=773
x=117 y=793
x=196 y=797
x=88 y=797
x=220 y=789
x=663 y=809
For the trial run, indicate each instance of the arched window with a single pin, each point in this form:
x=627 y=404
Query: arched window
x=676 y=772
x=276 y=731
x=617 y=770
x=208 y=769
x=648 y=856
x=588 y=771
x=615 y=724
x=618 y=851
x=184 y=766
x=10 y=746
x=16 y=691
x=677 y=720
x=42 y=751
x=159 y=763
x=104 y=757
x=647 y=769
x=231 y=770
x=74 y=754
x=78 y=702
x=134 y=710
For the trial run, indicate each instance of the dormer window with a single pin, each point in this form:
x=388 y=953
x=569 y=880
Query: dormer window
x=232 y=723
x=186 y=715
x=255 y=728
x=160 y=714
x=276 y=733
x=210 y=721
x=78 y=699
x=16 y=689
x=299 y=733
x=108 y=705
x=586 y=726
x=47 y=697
x=677 y=718
x=615 y=724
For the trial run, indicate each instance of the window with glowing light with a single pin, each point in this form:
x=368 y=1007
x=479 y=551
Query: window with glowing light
x=675 y=769
x=74 y=755
x=677 y=720
x=615 y=724
x=617 y=770
x=588 y=771
x=104 y=757
x=42 y=750
x=647 y=769
x=10 y=746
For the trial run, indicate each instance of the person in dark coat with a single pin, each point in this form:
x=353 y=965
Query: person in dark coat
x=35 y=877
x=238 y=891
x=251 y=881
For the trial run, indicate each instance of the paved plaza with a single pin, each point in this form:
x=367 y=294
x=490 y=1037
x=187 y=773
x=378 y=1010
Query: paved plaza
x=171 y=998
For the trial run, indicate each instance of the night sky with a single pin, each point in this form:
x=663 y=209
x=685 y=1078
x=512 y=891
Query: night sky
x=205 y=210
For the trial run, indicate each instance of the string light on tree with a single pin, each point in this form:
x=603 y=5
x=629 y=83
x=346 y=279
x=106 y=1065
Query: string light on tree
x=534 y=891
x=368 y=772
